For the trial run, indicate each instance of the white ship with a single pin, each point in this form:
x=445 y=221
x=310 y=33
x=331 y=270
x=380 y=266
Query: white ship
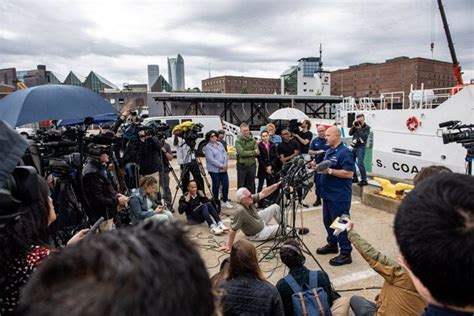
x=407 y=139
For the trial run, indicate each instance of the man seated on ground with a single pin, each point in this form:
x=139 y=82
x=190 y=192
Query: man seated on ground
x=198 y=208
x=292 y=256
x=254 y=223
x=148 y=269
x=434 y=228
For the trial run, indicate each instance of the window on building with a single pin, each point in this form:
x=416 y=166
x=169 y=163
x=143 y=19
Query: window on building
x=121 y=100
x=112 y=101
x=304 y=90
x=304 y=83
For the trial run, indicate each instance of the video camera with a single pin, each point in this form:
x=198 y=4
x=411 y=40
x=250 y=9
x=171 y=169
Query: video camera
x=294 y=126
x=192 y=134
x=459 y=133
x=157 y=128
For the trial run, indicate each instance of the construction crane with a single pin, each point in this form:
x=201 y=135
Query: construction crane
x=456 y=65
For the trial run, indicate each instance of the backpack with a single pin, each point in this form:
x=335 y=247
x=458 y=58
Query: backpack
x=312 y=302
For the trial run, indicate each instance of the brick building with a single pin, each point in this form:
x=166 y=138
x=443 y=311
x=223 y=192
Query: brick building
x=236 y=84
x=397 y=74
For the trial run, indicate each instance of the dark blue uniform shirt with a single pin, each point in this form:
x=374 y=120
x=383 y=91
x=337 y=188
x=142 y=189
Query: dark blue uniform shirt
x=335 y=188
x=319 y=144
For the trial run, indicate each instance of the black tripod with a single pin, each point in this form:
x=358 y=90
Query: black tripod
x=289 y=231
x=195 y=167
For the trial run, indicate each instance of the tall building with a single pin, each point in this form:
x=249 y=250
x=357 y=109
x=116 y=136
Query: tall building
x=394 y=75
x=235 y=84
x=153 y=74
x=176 y=73
x=306 y=79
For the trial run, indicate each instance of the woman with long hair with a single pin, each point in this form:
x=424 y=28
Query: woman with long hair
x=267 y=161
x=144 y=203
x=24 y=242
x=246 y=291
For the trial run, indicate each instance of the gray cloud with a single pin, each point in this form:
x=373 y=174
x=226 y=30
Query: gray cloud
x=118 y=39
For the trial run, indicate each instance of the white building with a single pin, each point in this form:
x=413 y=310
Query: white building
x=306 y=79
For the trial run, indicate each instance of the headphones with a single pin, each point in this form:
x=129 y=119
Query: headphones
x=297 y=251
x=21 y=189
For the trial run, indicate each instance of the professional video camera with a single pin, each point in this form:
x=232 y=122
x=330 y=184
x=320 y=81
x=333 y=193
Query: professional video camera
x=294 y=126
x=157 y=128
x=459 y=133
x=192 y=134
x=462 y=134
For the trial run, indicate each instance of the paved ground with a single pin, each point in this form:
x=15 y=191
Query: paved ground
x=374 y=225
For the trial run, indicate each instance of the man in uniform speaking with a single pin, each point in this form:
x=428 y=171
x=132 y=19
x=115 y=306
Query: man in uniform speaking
x=336 y=185
x=254 y=223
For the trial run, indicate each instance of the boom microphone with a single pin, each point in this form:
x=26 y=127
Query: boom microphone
x=448 y=123
x=323 y=165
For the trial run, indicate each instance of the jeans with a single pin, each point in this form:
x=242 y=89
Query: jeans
x=359 y=153
x=218 y=179
x=205 y=212
x=246 y=177
x=331 y=210
x=165 y=187
x=261 y=179
x=362 y=306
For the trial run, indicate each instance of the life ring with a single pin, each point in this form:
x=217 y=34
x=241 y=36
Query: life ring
x=412 y=123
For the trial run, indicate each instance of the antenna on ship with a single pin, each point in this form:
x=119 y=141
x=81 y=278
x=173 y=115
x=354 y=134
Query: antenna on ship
x=320 y=55
x=209 y=65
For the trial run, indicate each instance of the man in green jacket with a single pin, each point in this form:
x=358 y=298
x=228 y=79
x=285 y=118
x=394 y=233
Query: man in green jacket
x=247 y=150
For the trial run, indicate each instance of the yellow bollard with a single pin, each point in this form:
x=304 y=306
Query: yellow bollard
x=394 y=191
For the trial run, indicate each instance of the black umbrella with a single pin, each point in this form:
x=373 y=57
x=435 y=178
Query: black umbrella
x=52 y=102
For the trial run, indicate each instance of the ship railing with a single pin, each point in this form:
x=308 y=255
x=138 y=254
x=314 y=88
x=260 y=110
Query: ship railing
x=428 y=98
x=392 y=100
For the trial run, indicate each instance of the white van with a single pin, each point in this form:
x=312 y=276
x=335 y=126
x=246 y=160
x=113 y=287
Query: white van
x=209 y=122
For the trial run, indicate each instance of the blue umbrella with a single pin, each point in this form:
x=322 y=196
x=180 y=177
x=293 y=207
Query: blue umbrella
x=51 y=102
x=99 y=118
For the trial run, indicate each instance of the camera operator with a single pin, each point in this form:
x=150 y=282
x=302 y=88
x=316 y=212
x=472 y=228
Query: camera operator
x=98 y=190
x=187 y=164
x=360 y=133
x=304 y=136
x=128 y=124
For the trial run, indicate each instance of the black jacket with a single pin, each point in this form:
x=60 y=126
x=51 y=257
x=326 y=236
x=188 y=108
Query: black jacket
x=266 y=158
x=149 y=156
x=249 y=296
x=360 y=135
x=98 y=191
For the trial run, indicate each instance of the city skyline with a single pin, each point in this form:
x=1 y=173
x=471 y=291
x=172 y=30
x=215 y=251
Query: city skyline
x=260 y=38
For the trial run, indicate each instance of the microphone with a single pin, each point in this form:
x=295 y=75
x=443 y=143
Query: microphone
x=448 y=123
x=323 y=165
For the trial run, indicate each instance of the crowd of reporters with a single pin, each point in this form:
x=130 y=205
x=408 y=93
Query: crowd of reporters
x=152 y=267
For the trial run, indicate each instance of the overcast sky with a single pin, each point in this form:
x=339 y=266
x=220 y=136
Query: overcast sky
x=118 y=38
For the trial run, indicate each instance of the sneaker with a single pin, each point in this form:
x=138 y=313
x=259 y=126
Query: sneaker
x=226 y=205
x=340 y=260
x=327 y=249
x=215 y=230
x=362 y=183
x=222 y=227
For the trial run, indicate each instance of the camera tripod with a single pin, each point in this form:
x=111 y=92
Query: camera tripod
x=288 y=231
x=195 y=167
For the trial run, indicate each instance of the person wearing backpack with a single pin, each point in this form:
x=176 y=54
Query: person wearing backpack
x=302 y=280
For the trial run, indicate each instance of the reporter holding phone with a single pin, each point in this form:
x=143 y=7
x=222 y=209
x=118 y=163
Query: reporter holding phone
x=144 y=203
x=318 y=148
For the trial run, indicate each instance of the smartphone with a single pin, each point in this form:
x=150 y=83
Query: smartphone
x=94 y=227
